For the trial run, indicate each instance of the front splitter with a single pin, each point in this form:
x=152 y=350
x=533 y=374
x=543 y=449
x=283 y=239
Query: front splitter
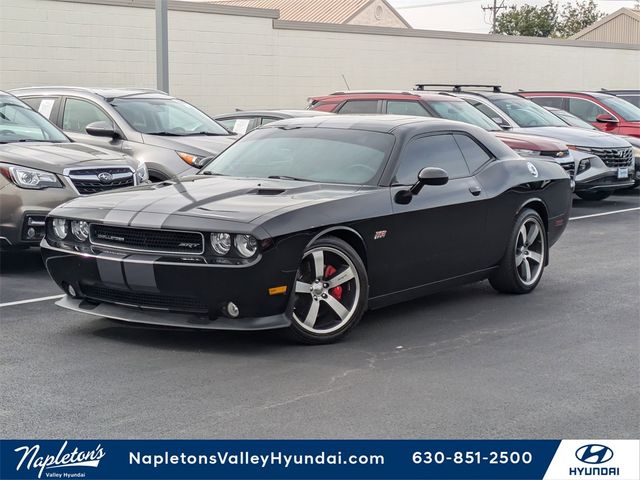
x=171 y=319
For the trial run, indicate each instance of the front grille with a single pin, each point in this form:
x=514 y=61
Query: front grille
x=144 y=299
x=570 y=168
x=158 y=241
x=96 y=180
x=614 y=157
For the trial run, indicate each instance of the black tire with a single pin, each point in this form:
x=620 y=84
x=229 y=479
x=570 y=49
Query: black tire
x=594 y=196
x=353 y=293
x=508 y=277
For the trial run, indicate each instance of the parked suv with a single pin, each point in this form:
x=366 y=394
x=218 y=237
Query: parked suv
x=606 y=112
x=170 y=136
x=608 y=162
x=243 y=121
x=442 y=105
x=40 y=168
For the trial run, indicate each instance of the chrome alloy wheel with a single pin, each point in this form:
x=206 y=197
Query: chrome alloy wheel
x=327 y=290
x=530 y=251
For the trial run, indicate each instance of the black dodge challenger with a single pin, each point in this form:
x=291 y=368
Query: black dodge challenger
x=307 y=222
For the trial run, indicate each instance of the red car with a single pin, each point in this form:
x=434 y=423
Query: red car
x=440 y=105
x=606 y=112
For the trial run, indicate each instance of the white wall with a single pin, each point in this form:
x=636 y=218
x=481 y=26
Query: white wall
x=223 y=61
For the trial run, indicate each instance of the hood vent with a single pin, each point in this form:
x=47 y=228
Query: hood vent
x=266 y=191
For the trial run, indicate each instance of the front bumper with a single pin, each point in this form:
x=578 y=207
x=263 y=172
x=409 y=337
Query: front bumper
x=21 y=208
x=159 y=290
x=171 y=319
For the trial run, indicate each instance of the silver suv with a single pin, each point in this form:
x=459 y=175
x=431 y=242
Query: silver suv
x=40 y=168
x=172 y=137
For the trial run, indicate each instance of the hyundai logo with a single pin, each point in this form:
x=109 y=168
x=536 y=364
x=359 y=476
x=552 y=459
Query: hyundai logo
x=594 y=454
x=105 y=177
x=532 y=169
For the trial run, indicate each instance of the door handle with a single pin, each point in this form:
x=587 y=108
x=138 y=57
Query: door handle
x=475 y=190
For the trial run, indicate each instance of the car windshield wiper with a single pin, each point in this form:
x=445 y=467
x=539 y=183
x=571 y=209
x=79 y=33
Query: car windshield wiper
x=213 y=174
x=287 y=177
x=25 y=140
x=209 y=134
x=164 y=134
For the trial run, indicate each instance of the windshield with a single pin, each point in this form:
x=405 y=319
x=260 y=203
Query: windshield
x=309 y=154
x=633 y=99
x=19 y=123
x=463 y=112
x=166 y=116
x=626 y=110
x=527 y=114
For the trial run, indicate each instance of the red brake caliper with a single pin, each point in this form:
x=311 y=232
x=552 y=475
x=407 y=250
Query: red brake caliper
x=335 y=292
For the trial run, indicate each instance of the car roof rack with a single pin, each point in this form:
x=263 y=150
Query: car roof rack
x=373 y=92
x=457 y=87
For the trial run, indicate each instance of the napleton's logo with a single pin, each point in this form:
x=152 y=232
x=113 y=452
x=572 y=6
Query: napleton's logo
x=32 y=459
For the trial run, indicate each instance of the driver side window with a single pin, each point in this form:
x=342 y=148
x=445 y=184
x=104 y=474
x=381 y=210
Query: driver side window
x=80 y=113
x=584 y=109
x=440 y=151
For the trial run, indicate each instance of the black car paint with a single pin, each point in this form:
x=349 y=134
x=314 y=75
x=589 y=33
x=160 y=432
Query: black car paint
x=446 y=235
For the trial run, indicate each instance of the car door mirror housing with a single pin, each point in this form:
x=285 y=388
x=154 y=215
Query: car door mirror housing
x=427 y=176
x=606 y=118
x=101 y=129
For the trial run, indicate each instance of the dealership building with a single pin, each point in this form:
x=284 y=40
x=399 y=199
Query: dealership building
x=224 y=55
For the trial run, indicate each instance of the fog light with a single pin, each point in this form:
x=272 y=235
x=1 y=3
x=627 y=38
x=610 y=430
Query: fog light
x=72 y=291
x=232 y=310
x=31 y=232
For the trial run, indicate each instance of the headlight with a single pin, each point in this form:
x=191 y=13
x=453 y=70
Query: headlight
x=80 y=229
x=142 y=174
x=246 y=245
x=29 y=177
x=193 y=160
x=221 y=243
x=60 y=228
x=527 y=153
x=636 y=152
x=584 y=164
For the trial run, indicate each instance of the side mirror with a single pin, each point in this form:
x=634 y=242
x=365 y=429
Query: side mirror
x=606 y=118
x=101 y=129
x=501 y=123
x=427 y=176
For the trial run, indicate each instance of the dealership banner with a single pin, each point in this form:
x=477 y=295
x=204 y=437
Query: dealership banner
x=336 y=459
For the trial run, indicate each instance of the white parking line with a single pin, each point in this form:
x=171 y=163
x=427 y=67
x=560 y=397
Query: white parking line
x=31 y=300
x=605 y=213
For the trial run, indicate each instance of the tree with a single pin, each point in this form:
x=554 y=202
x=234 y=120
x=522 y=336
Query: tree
x=548 y=20
x=528 y=20
x=576 y=17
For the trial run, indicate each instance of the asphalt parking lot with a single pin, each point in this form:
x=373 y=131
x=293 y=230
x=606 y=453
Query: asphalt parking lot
x=561 y=362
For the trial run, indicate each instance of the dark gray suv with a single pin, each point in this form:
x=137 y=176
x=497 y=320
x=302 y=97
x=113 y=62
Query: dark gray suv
x=169 y=135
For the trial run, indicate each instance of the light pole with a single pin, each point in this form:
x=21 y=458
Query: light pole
x=162 y=47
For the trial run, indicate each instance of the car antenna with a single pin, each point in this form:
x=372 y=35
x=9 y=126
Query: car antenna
x=345 y=82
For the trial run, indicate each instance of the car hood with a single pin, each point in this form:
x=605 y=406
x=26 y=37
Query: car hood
x=55 y=157
x=203 y=145
x=530 y=142
x=576 y=136
x=635 y=141
x=222 y=198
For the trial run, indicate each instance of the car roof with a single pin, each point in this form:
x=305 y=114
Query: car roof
x=619 y=92
x=567 y=92
x=382 y=94
x=106 y=93
x=273 y=113
x=374 y=123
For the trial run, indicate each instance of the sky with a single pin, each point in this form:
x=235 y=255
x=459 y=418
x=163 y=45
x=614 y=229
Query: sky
x=467 y=15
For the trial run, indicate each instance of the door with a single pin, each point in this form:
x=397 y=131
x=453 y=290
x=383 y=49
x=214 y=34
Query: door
x=441 y=233
x=77 y=114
